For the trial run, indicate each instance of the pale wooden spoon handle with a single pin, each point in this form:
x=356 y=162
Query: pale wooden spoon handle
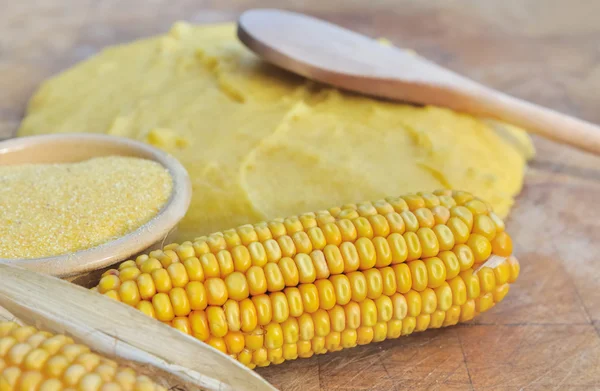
x=540 y=120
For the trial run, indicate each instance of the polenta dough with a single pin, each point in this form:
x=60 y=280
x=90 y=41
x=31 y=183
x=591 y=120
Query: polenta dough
x=261 y=143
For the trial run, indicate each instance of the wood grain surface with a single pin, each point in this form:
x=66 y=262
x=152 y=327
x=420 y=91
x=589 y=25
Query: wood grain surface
x=546 y=333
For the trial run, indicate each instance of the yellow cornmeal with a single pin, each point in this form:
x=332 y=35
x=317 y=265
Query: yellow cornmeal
x=52 y=209
x=261 y=143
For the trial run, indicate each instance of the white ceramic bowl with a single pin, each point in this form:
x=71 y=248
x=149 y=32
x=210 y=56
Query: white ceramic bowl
x=70 y=148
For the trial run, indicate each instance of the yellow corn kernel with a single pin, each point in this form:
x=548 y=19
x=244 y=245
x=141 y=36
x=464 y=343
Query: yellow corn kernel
x=36 y=359
x=385 y=308
x=327 y=297
x=273 y=336
x=241 y=258
x=337 y=318
x=248 y=315
x=200 y=247
x=217 y=321
x=436 y=272
x=481 y=247
x=350 y=256
x=452 y=316
x=422 y=322
x=235 y=342
x=444 y=297
x=274 y=277
x=413 y=303
x=500 y=292
x=413 y=246
x=318 y=345
x=467 y=311
x=484 y=226
x=428 y=301
x=502 y=273
x=403 y=276
x=399 y=305
x=302 y=242
x=310 y=297
x=347 y=230
x=162 y=307
x=275 y=356
x=334 y=259
x=210 y=265
x=216 y=242
x=425 y=217
x=129 y=273
x=333 y=341
x=306 y=269
x=465 y=256
x=502 y=244
x=464 y=214
x=232 y=238
x=317 y=238
x=472 y=284
x=358 y=286
x=225 y=261
x=178 y=274
x=108 y=283
x=363 y=227
x=380 y=331
x=279 y=304
x=368 y=313
x=277 y=229
x=146 y=286
x=459 y=290
x=320 y=264
x=194 y=269
x=294 y=299
x=182 y=324
x=262 y=231
x=408 y=325
x=264 y=310
x=180 y=302
x=237 y=287
x=129 y=293
x=388 y=278
x=366 y=253
x=436 y=320
x=348 y=338
x=216 y=291
x=487 y=279
x=332 y=233
x=441 y=214
x=257 y=281
x=365 y=335
x=290 y=351
x=484 y=302
x=304 y=349
x=113 y=295
x=374 y=283
x=258 y=254
x=321 y=322
x=394 y=329
x=444 y=237
x=411 y=223
x=306 y=326
x=342 y=288
x=418 y=272
x=291 y=331
x=218 y=343
x=348 y=214
x=233 y=315
x=254 y=340
x=379 y=224
x=396 y=223
x=247 y=234
x=451 y=263
x=289 y=271
x=460 y=230
x=514 y=269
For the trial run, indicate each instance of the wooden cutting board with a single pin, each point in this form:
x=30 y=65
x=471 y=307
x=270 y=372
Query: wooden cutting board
x=546 y=334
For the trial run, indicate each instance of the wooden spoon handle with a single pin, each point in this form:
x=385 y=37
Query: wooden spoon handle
x=539 y=120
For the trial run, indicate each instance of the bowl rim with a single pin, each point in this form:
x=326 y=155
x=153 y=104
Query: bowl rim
x=134 y=242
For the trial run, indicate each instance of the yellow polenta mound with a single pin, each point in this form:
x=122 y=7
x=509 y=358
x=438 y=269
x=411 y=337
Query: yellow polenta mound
x=260 y=143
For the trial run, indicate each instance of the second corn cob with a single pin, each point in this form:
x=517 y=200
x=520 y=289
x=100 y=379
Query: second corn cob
x=323 y=281
x=31 y=359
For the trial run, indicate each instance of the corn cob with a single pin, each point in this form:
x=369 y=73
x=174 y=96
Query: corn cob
x=37 y=360
x=324 y=281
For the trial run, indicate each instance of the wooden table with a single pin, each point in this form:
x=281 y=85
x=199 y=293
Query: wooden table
x=546 y=334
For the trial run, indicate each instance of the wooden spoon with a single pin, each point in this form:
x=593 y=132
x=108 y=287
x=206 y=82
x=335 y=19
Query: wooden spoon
x=331 y=54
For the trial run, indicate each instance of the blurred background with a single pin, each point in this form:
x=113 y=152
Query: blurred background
x=547 y=51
